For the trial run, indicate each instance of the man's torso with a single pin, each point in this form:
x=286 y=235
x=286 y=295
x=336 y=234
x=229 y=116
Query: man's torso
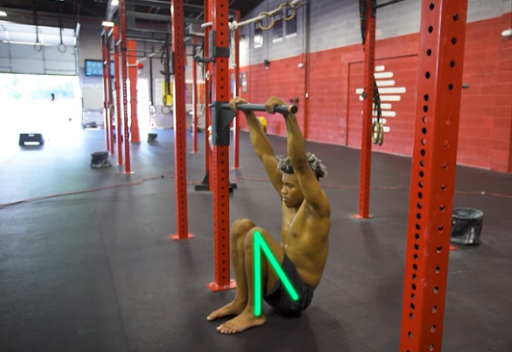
x=305 y=242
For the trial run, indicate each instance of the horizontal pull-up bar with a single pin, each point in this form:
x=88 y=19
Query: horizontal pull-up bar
x=261 y=107
x=389 y=3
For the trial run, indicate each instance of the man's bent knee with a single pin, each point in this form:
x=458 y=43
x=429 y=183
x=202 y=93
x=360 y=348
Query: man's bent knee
x=249 y=239
x=240 y=228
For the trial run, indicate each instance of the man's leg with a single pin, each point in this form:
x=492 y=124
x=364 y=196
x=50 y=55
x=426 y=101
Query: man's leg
x=246 y=319
x=239 y=231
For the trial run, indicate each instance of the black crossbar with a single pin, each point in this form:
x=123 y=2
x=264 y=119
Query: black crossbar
x=261 y=107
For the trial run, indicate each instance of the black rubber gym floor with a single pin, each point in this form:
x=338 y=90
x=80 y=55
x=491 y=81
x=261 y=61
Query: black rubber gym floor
x=97 y=271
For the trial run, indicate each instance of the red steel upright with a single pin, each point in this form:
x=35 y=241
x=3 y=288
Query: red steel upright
x=194 y=96
x=180 y=137
x=105 y=90
x=236 y=124
x=208 y=11
x=117 y=79
x=124 y=70
x=110 y=112
x=133 y=73
x=218 y=12
x=366 y=145
x=441 y=56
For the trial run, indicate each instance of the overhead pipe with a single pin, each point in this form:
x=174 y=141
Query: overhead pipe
x=156 y=17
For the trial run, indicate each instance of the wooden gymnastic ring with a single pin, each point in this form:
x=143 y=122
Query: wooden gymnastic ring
x=283 y=11
x=272 y=21
x=378 y=133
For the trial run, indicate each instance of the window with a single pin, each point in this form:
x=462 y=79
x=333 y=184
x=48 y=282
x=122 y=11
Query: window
x=291 y=25
x=277 y=30
x=258 y=37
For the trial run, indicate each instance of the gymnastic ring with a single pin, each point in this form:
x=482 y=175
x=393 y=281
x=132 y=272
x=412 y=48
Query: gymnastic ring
x=378 y=133
x=166 y=110
x=60 y=46
x=272 y=20
x=38 y=46
x=283 y=12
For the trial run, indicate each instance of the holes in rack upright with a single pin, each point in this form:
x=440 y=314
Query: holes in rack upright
x=431 y=347
x=432 y=328
x=454 y=40
x=438 y=269
x=427 y=75
x=424 y=130
x=430 y=29
x=434 y=309
x=431 y=6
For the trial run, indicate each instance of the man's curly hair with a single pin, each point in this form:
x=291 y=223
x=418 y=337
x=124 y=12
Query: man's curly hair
x=285 y=165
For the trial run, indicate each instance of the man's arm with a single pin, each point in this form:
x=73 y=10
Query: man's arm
x=261 y=146
x=316 y=200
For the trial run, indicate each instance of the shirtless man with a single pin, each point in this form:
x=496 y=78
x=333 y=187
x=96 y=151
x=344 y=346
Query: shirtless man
x=304 y=235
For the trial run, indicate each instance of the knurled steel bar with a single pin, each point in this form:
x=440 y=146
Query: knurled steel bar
x=441 y=61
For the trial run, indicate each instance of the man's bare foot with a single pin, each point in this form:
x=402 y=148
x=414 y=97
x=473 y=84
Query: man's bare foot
x=244 y=321
x=233 y=308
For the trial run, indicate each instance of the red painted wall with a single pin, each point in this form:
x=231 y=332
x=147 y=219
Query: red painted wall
x=335 y=109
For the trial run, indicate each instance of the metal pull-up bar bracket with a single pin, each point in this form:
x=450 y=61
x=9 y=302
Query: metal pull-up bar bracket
x=215 y=51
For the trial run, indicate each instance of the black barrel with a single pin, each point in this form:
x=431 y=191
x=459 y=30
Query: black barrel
x=466 y=226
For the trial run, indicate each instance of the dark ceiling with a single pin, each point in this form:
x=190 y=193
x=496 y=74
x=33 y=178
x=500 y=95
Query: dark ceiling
x=98 y=8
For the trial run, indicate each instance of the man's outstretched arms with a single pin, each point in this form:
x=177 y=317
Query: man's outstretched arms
x=261 y=145
x=316 y=200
